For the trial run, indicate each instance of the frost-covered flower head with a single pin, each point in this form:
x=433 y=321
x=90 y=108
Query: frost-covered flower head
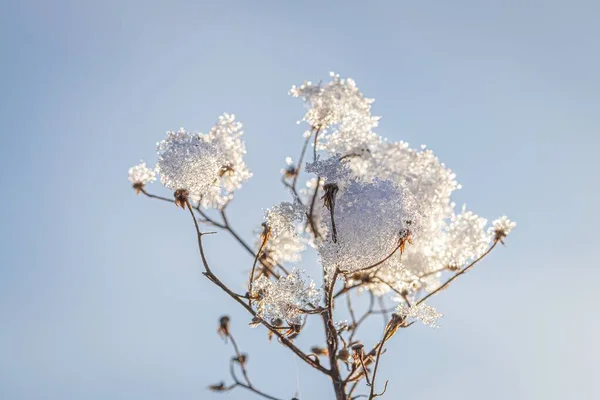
x=501 y=228
x=226 y=136
x=188 y=162
x=285 y=243
x=285 y=297
x=339 y=111
x=371 y=219
x=141 y=175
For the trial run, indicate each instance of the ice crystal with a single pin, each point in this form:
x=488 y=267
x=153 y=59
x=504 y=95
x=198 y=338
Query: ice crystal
x=141 y=174
x=285 y=297
x=187 y=161
x=422 y=312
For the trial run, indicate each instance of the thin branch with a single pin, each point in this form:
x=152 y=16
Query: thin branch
x=299 y=166
x=213 y=278
x=459 y=273
x=378 y=263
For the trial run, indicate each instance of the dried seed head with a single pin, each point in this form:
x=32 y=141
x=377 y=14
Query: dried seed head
x=358 y=352
x=226 y=170
x=241 y=359
x=405 y=237
x=181 y=197
x=219 y=387
x=223 y=330
x=138 y=187
x=343 y=355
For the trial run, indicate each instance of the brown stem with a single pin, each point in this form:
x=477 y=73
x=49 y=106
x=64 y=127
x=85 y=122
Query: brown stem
x=339 y=385
x=262 y=246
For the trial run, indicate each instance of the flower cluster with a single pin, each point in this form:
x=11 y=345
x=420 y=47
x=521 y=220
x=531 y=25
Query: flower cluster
x=286 y=297
x=188 y=162
x=207 y=168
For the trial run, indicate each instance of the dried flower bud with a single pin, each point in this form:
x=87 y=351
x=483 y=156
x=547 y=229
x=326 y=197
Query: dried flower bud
x=343 y=355
x=219 y=387
x=138 y=187
x=241 y=359
x=223 y=330
x=181 y=198
x=254 y=322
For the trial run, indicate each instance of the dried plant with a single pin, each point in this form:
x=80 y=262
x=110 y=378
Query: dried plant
x=385 y=226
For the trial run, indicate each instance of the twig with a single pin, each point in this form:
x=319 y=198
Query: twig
x=459 y=273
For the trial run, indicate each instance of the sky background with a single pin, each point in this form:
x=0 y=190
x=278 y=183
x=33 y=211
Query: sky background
x=101 y=295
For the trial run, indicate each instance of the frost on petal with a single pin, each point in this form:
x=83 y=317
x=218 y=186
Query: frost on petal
x=422 y=312
x=285 y=297
x=187 y=161
x=226 y=137
x=141 y=174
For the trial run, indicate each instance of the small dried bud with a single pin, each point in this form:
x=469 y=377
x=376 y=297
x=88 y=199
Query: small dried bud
x=319 y=351
x=452 y=267
x=241 y=359
x=358 y=349
x=343 y=355
x=254 y=322
x=223 y=330
x=219 y=387
x=290 y=172
x=138 y=187
x=181 y=198
x=392 y=326
x=405 y=237
x=226 y=170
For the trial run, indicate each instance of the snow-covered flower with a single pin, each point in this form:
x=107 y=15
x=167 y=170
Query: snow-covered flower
x=372 y=219
x=422 y=312
x=285 y=243
x=141 y=175
x=501 y=228
x=286 y=297
x=466 y=239
x=226 y=137
x=188 y=162
x=340 y=112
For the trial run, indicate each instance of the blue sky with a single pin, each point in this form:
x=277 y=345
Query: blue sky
x=100 y=291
